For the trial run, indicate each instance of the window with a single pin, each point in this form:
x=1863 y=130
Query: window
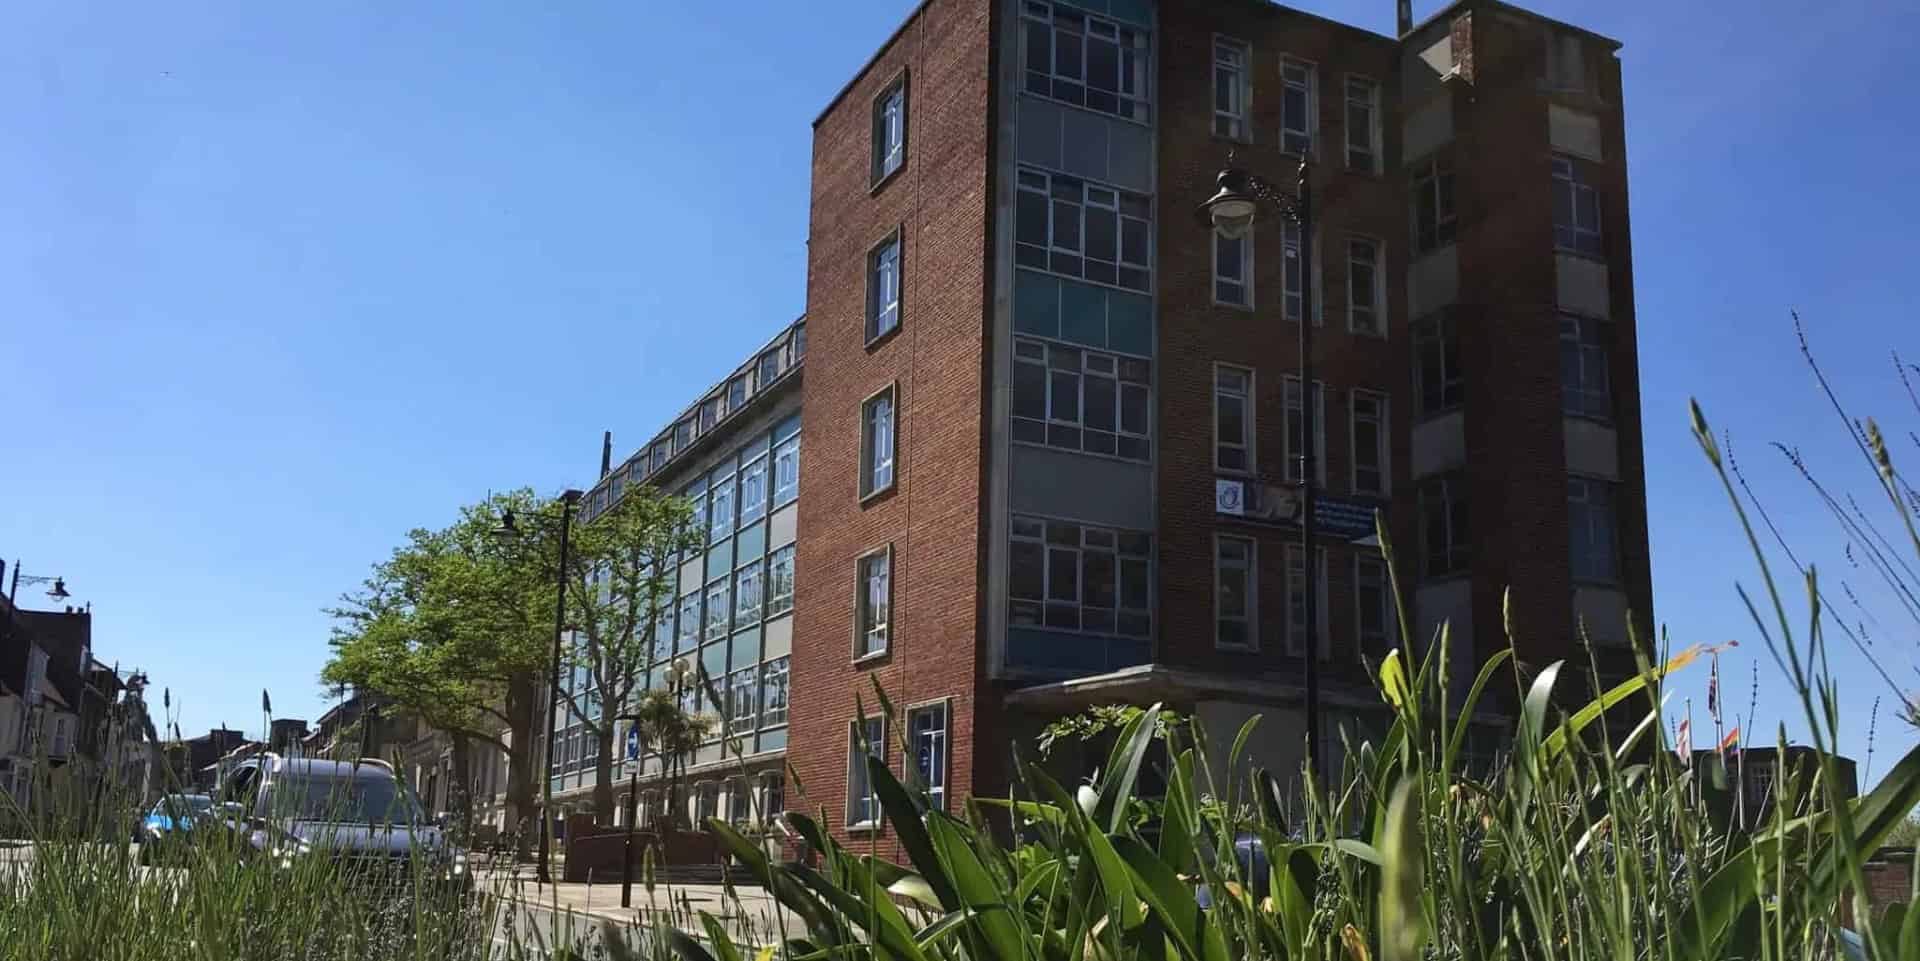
x=1232 y=418
x=682 y=435
x=709 y=414
x=1444 y=544
x=706 y=801
x=865 y=738
x=700 y=518
x=1363 y=125
x=1576 y=211
x=739 y=802
x=773 y=692
x=1369 y=442
x=753 y=490
x=1295 y=442
x=736 y=394
x=720 y=497
x=1436 y=371
x=718 y=611
x=1233 y=269
x=780 y=581
x=1077 y=229
x=1566 y=68
x=890 y=130
x=769 y=368
x=1433 y=214
x=743 y=697
x=1080 y=400
x=689 y=635
x=883 y=288
x=1293 y=276
x=747 y=583
x=1585 y=346
x=773 y=796
x=1366 y=288
x=660 y=455
x=1084 y=60
x=1079 y=578
x=1297 y=600
x=1590 y=514
x=1296 y=106
x=876 y=443
x=1373 y=600
x=1233 y=593
x=875 y=594
x=1230 y=89
x=928 y=728
x=786 y=472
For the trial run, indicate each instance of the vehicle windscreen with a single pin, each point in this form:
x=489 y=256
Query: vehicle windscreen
x=183 y=805
x=350 y=800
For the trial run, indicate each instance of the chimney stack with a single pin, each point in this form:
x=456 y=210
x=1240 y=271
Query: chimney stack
x=606 y=453
x=1404 y=13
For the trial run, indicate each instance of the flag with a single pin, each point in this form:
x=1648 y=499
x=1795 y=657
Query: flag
x=1732 y=740
x=266 y=703
x=1713 y=690
x=1683 y=744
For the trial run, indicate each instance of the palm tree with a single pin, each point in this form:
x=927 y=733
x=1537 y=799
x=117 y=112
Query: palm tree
x=670 y=731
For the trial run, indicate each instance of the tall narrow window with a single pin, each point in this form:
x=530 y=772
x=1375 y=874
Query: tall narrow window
x=747 y=583
x=1234 y=593
x=1230 y=88
x=1585 y=347
x=1297 y=601
x=1576 y=211
x=1296 y=106
x=1592 y=520
x=1373 y=603
x=719 y=611
x=780 y=581
x=773 y=692
x=1566 y=68
x=890 y=130
x=1369 y=417
x=689 y=636
x=1444 y=544
x=720 y=496
x=1363 y=125
x=1294 y=275
x=865 y=738
x=1436 y=372
x=876 y=443
x=744 y=697
x=883 y=288
x=928 y=728
x=1296 y=440
x=1366 y=287
x=1433 y=213
x=876 y=603
x=1233 y=269
x=753 y=490
x=1232 y=418
x=786 y=471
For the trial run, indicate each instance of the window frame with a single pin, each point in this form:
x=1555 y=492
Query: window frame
x=936 y=796
x=756 y=570
x=1321 y=610
x=782 y=668
x=1026 y=179
x=871 y=485
x=1080 y=549
x=1084 y=374
x=1249 y=568
x=1250 y=431
x=1441 y=329
x=1383 y=446
x=1581 y=514
x=1448 y=492
x=1372 y=105
x=1432 y=178
x=883 y=148
x=1377 y=309
x=1135 y=107
x=876 y=311
x=1568 y=237
x=774 y=486
x=1240 y=121
x=1290 y=460
x=1389 y=631
x=856 y=728
x=1589 y=337
x=1311 y=131
x=1246 y=279
x=764 y=462
x=863 y=631
x=771 y=594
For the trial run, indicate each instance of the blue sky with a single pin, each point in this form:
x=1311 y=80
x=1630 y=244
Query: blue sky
x=279 y=282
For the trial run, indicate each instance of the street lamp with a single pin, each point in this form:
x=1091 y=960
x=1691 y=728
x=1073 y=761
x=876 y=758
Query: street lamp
x=1232 y=210
x=58 y=591
x=508 y=529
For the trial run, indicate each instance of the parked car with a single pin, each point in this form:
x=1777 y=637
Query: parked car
x=169 y=823
x=359 y=813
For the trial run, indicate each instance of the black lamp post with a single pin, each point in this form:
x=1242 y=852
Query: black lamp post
x=508 y=529
x=58 y=591
x=1231 y=211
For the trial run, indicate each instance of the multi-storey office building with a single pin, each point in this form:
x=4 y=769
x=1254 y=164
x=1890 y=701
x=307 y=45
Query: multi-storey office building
x=1053 y=420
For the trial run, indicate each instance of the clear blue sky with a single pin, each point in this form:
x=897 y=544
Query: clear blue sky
x=279 y=282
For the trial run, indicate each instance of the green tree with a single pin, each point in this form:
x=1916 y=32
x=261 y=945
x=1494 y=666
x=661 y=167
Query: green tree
x=670 y=732
x=622 y=571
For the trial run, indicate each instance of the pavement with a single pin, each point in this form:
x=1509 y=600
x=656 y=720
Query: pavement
x=748 y=913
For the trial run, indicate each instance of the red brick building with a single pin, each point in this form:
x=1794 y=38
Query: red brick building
x=1053 y=419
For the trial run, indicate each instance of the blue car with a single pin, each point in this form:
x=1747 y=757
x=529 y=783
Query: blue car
x=171 y=821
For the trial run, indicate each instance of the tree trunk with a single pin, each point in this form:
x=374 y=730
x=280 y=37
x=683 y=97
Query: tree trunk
x=522 y=698
x=460 y=792
x=603 y=776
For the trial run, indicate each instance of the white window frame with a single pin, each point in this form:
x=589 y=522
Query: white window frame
x=1443 y=492
x=1293 y=279
x=1249 y=572
x=1383 y=423
x=884 y=279
x=1389 y=619
x=1244 y=266
x=773 y=595
x=1582 y=513
x=1307 y=127
x=760 y=466
x=1080 y=549
x=890 y=130
x=856 y=761
x=1432 y=181
x=879 y=441
x=1133 y=61
x=786 y=490
x=753 y=572
x=1574 y=236
x=943 y=747
x=722 y=507
x=1233 y=59
x=1094 y=365
x=714 y=626
x=1290 y=401
x=1372 y=106
x=1091 y=195
x=1441 y=331
x=742 y=718
x=1249 y=429
x=873 y=633
x=1296 y=573
x=1590 y=341
x=782 y=668
x=1377 y=310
